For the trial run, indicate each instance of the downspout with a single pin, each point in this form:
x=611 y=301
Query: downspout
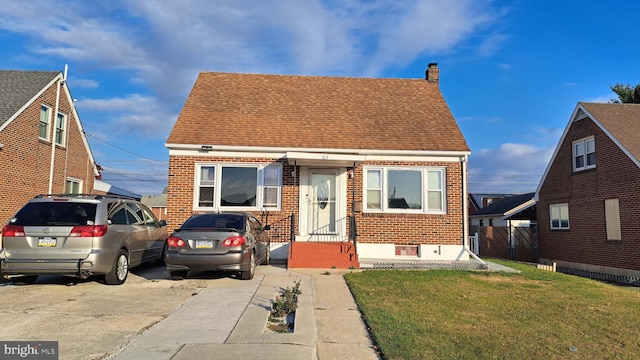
x=295 y=195
x=353 y=206
x=53 y=132
x=465 y=215
x=66 y=144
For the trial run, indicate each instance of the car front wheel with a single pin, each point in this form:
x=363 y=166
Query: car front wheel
x=248 y=275
x=120 y=271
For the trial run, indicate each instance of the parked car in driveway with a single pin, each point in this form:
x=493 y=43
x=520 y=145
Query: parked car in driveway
x=81 y=235
x=234 y=242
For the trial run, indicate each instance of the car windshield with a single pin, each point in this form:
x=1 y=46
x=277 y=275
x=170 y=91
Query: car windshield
x=215 y=221
x=55 y=213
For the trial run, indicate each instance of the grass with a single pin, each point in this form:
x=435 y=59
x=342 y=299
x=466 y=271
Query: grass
x=535 y=314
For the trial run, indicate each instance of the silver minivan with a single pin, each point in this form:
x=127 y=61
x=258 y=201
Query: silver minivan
x=81 y=235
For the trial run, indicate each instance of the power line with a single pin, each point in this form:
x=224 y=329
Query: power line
x=123 y=161
x=125 y=150
x=142 y=180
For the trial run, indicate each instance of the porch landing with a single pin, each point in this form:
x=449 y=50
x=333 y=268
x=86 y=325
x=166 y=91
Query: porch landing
x=337 y=255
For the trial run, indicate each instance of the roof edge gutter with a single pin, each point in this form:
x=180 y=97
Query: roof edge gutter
x=205 y=147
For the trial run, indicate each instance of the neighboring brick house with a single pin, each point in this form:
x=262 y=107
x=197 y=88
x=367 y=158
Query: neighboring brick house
x=157 y=204
x=506 y=228
x=30 y=164
x=385 y=154
x=588 y=199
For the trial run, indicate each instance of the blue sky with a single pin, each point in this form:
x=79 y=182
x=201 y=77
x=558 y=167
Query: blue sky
x=511 y=71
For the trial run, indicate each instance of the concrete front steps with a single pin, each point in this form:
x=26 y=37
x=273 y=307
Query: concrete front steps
x=337 y=255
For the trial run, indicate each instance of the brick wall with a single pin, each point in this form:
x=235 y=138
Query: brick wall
x=615 y=176
x=25 y=160
x=402 y=229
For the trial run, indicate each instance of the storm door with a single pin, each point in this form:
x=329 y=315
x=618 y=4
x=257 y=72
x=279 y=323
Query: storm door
x=322 y=204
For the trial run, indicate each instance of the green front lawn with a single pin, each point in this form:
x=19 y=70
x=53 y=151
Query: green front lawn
x=535 y=314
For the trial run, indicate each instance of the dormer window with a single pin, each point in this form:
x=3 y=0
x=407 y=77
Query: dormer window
x=584 y=154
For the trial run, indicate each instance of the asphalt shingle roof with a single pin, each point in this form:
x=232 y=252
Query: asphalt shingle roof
x=317 y=112
x=18 y=87
x=621 y=120
x=504 y=205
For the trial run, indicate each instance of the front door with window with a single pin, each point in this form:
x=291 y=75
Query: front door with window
x=322 y=202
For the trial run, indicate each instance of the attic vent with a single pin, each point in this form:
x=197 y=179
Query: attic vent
x=580 y=115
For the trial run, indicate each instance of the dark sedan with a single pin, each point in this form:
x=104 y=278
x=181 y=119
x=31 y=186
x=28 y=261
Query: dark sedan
x=234 y=242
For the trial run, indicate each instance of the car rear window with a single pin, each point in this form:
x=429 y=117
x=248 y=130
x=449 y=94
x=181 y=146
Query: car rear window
x=55 y=213
x=215 y=221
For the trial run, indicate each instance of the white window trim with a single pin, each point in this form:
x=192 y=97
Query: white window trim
x=425 y=190
x=559 y=227
x=218 y=186
x=73 y=180
x=48 y=133
x=573 y=153
x=63 y=128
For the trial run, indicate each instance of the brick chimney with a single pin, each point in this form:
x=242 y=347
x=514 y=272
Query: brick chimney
x=433 y=73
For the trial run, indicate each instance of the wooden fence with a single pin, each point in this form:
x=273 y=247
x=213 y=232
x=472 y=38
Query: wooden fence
x=511 y=243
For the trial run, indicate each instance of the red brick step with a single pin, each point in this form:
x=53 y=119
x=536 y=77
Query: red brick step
x=339 y=255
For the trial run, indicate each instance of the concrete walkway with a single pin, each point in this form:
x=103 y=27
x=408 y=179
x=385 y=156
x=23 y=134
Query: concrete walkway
x=218 y=323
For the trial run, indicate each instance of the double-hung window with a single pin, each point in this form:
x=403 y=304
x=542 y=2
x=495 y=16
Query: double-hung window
x=238 y=186
x=73 y=186
x=559 y=216
x=271 y=187
x=584 y=154
x=410 y=189
x=60 y=129
x=45 y=120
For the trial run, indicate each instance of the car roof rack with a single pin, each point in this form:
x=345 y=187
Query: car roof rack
x=89 y=196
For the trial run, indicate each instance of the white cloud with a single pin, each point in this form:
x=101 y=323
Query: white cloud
x=83 y=83
x=134 y=114
x=129 y=103
x=513 y=168
x=601 y=99
x=160 y=41
x=492 y=44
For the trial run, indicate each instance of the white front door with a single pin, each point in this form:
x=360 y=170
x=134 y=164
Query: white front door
x=322 y=204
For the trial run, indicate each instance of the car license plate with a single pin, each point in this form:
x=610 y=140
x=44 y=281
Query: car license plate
x=204 y=244
x=47 y=242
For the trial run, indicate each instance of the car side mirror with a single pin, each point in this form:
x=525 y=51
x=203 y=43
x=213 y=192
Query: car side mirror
x=267 y=227
x=163 y=223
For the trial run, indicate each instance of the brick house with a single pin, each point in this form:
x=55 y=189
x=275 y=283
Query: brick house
x=588 y=199
x=40 y=152
x=332 y=159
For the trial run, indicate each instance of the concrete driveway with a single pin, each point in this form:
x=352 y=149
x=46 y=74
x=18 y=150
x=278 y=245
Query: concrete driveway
x=91 y=320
